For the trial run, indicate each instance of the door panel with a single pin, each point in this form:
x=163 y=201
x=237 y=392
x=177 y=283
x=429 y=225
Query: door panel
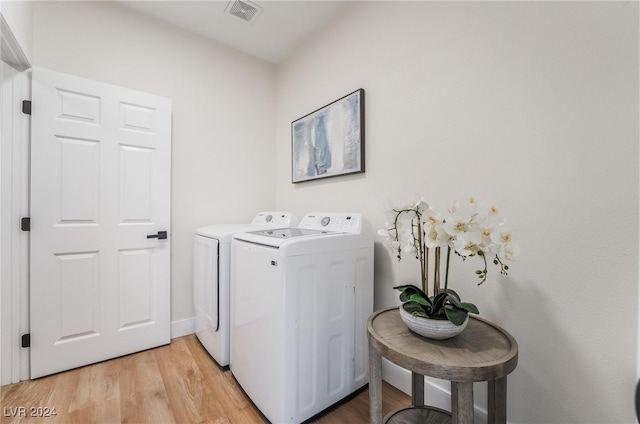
x=136 y=184
x=77 y=280
x=100 y=184
x=79 y=175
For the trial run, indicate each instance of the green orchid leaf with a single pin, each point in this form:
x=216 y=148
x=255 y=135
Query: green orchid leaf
x=417 y=309
x=419 y=299
x=407 y=287
x=455 y=302
x=408 y=290
x=419 y=290
x=453 y=293
x=403 y=286
x=439 y=301
x=405 y=296
x=470 y=307
x=456 y=316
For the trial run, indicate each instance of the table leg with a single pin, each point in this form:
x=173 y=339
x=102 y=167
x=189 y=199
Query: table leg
x=417 y=389
x=375 y=386
x=497 y=408
x=461 y=403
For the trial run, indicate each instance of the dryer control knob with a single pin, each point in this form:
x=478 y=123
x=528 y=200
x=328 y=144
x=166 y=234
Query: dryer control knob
x=325 y=221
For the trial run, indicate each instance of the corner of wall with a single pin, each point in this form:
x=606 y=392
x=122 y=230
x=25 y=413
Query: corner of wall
x=183 y=327
x=16 y=27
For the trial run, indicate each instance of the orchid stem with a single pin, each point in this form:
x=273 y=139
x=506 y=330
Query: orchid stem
x=425 y=271
x=446 y=270
x=436 y=273
x=420 y=250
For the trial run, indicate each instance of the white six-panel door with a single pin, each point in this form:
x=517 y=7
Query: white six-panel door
x=100 y=184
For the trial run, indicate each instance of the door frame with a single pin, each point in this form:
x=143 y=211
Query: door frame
x=14 y=192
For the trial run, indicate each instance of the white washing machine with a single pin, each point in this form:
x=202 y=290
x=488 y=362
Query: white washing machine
x=211 y=279
x=301 y=298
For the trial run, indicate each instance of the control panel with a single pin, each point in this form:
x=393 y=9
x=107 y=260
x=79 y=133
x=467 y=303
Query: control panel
x=335 y=222
x=275 y=219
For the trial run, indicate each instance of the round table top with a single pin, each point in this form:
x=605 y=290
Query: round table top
x=482 y=352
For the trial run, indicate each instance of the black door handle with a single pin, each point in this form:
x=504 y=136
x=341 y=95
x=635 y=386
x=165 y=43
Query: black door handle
x=162 y=235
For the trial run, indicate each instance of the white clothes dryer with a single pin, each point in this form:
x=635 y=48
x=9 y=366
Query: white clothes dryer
x=211 y=279
x=301 y=298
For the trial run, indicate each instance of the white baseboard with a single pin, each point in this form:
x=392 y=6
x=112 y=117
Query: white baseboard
x=434 y=394
x=183 y=327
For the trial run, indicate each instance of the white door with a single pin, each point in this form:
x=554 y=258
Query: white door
x=100 y=185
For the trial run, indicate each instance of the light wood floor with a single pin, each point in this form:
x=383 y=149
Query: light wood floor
x=177 y=383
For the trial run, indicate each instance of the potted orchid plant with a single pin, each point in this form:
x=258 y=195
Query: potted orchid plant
x=469 y=229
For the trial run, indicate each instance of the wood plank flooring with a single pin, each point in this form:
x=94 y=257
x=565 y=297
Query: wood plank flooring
x=177 y=383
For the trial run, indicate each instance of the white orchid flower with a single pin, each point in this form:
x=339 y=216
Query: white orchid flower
x=421 y=206
x=510 y=251
x=409 y=249
x=486 y=228
x=409 y=215
x=392 y=247
x=502 y=235
x=469 y=202
x=430 y=217
x=436 y=236
x=490 y=214
x=468 y=244
x=459 y=221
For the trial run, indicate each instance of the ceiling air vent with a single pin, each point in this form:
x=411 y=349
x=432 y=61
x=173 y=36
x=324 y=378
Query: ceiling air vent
x=244 y=10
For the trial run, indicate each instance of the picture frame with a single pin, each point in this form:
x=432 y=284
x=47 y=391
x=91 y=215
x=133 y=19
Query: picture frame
x=329 y=141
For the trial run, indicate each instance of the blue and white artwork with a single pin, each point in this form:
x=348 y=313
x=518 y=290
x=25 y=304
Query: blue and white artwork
x=329 y=141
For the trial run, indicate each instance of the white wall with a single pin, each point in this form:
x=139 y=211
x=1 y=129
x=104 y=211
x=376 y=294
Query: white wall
x=223 y=119
x=533 y=105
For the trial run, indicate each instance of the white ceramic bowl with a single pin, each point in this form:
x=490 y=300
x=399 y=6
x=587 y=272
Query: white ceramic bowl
x=438 y=329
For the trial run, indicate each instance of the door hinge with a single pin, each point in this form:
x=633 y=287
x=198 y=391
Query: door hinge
x=25 y=340
x=25 y=224
x=26 y=107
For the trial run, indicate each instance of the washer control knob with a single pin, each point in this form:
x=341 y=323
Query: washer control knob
x=268 y=218
x=325 y=221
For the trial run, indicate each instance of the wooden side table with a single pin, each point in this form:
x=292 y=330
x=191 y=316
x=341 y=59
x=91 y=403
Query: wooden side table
x=482 y=352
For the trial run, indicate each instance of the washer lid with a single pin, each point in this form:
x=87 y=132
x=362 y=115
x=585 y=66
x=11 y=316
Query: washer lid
x=312 y=226
x=224 y=232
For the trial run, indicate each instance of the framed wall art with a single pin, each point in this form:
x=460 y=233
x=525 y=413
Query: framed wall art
x=330 y=141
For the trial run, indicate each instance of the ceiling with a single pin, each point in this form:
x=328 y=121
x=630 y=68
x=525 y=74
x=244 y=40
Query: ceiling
x=275 y=31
